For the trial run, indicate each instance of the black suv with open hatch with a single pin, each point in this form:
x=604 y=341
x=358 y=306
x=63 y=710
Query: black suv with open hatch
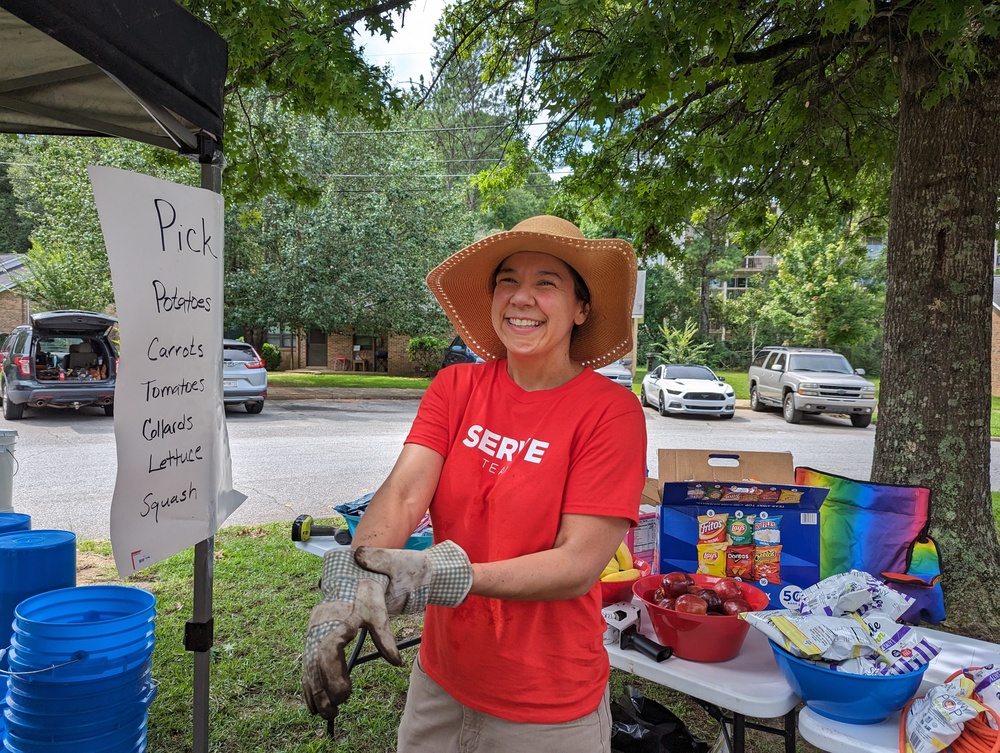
x=62 y=359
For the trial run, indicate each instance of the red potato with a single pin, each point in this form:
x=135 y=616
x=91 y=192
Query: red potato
x=676 y=583
x=735 y=606
x=728 y=588
x=712 y=600
x=691 y=603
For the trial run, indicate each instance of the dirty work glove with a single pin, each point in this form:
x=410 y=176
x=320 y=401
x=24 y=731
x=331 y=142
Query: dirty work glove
x=352 y=598
x=441 y=575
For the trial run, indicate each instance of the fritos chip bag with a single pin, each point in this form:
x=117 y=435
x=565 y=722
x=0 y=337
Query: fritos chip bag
x=712 y=528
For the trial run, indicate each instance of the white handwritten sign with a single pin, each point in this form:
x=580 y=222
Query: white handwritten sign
x=174 y=485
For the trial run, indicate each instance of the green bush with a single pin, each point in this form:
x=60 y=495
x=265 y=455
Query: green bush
x=426 y=352
x=271 y=356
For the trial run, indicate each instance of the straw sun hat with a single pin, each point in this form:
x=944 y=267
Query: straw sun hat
x=462 y=283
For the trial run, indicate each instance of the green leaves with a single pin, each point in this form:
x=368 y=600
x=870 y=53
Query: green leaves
x=679 y=345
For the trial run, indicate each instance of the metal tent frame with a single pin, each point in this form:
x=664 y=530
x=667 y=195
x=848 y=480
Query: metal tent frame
x=147 y=71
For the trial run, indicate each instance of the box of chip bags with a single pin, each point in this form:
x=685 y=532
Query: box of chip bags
x=740 y=515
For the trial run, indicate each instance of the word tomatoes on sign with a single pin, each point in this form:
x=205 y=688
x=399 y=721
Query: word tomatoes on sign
x=764 y=534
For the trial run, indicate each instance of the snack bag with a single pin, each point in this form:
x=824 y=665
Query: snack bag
x=935 y=721
x=712 y=559
x=837 y=595
x=767 y=530
x=767 y=564
x=739 y=562
x=902 y=648
x=740 y=529
x=822 y=637
x=987 y=680
x=712 y=528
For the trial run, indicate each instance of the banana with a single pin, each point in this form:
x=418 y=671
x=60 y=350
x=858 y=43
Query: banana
x=630 y=574
x=611 y=567
x=624 y=557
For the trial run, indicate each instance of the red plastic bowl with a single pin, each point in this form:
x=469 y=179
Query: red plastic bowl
x=698 y=637
x=622 y=590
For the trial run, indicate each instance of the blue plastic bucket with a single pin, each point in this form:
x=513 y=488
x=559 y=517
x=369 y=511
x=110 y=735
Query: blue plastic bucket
x=113 y=645
x=78 y=667
x=49 y=689
x=71 y=704
x=82 y=633
x=122 y=740
x=50 y=728
x=14 y=521
x=32 y=562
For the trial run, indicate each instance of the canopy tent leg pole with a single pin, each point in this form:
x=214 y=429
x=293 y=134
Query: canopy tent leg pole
x=198 y=635
x=198 y=638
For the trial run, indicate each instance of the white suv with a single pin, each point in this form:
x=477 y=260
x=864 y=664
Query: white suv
x=810 y=380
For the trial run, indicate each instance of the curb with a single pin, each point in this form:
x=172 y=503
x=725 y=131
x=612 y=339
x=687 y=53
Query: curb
x=275 y=392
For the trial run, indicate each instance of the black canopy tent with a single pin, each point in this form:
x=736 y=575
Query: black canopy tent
x=145 y=70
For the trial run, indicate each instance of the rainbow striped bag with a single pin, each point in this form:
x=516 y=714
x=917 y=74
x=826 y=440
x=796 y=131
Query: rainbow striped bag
x=881 y=529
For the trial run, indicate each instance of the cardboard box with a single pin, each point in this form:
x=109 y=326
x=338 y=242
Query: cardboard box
x=643 y=539
x=725 y=465
x=740 y=514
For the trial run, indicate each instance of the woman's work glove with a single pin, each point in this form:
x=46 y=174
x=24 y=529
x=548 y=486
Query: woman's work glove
x=441 y=575
x=352 y=598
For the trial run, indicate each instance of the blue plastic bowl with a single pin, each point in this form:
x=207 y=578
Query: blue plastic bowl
x=843 y=697
x=416 y=541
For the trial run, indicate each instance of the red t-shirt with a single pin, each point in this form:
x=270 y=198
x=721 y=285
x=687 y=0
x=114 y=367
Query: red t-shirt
x=515 y=462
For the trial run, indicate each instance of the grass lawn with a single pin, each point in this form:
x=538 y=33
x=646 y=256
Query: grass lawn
x=264 y=589
x=345 y=379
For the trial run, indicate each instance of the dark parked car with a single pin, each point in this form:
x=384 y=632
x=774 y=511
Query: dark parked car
x=458 y=352
x=62 y=359
x=244 y=378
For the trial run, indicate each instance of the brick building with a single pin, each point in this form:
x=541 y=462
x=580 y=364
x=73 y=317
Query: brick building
x=14 y=309
x=346 y=351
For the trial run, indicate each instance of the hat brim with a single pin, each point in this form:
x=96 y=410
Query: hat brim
x=462 y=284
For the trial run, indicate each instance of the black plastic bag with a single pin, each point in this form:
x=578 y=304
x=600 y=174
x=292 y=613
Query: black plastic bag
x=641 y=725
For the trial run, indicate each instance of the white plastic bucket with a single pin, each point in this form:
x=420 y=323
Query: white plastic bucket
x=8 y=466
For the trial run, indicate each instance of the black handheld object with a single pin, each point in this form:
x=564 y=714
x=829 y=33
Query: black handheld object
x=633 y=639
x=303 y=529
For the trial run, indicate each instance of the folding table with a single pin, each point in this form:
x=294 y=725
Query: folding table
x=748 y=685
x=957 y=652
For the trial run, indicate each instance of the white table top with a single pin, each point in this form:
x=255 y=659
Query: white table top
x=319 y=545
x=749 y=684
x=957 y=652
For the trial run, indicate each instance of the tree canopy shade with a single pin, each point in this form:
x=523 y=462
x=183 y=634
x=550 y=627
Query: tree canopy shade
x=667 y=105
x=113 y=68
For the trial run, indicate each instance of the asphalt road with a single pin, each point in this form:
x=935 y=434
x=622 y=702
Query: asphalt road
x=306 y=456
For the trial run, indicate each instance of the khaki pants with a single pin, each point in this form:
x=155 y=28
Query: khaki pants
x=433 y=722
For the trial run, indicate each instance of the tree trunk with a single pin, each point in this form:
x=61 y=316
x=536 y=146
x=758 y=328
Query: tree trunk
x=934 y=408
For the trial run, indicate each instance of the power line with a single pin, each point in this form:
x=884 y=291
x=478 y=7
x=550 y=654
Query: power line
x=430 y=130
x=449 y=175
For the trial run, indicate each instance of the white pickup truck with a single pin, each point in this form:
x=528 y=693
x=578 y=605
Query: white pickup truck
x=810 y=380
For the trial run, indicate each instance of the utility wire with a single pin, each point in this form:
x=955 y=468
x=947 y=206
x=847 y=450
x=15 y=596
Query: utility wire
x=450 y=175
x=430 y=130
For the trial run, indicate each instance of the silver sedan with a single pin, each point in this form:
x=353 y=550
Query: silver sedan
x=687 y=388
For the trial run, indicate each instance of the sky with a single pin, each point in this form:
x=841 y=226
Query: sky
x=409 y=51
